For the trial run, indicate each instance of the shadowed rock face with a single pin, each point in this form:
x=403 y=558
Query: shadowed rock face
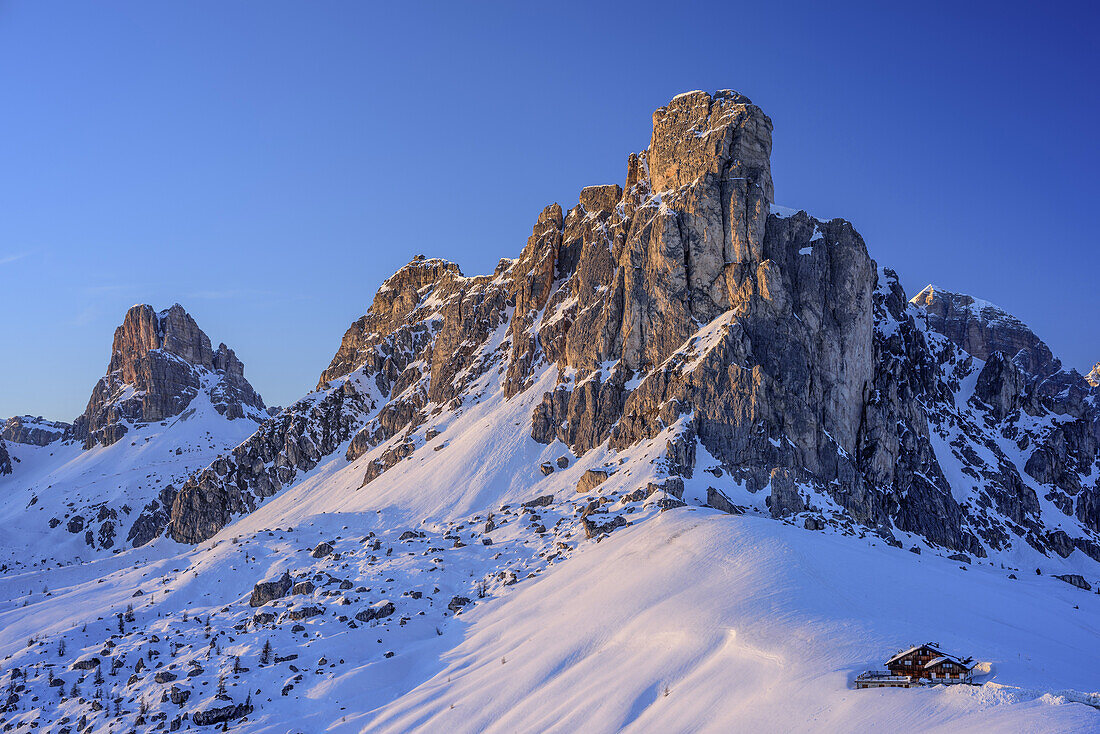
x=5 y=459
x=980 y=328
x=159 y=361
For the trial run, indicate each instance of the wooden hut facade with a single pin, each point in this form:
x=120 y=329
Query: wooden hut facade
x=928 y=662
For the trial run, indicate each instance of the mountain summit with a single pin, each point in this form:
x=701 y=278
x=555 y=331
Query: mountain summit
x=159 y=362
x=682 y=311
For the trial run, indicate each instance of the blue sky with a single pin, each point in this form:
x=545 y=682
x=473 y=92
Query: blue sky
x=268 y=164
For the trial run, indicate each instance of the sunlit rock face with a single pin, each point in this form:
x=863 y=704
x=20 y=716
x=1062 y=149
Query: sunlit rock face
x=159 y=362
x=683 y=307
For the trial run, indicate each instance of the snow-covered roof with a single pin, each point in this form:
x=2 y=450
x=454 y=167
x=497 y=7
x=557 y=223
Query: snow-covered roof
x=967 y=664
x=941 y=656
x=912 y=649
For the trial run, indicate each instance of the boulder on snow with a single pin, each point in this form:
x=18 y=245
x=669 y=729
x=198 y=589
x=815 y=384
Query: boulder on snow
x=378 y=610
x=719 y=501
x=304 y=613
x=265 y=591
x=303 y=587
x=323 y=549
x=592 y=479
x=543 y=501
x=86 y=663
x=1075 y=579
x=221 y=713
x=546 y=468
x=457 y=603
x=179 y=695
x=815 y=523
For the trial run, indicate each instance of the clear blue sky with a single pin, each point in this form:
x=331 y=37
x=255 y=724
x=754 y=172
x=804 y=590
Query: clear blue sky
x=268 y=164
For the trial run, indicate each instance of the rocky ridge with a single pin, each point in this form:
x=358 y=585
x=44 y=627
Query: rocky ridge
x=683 y=308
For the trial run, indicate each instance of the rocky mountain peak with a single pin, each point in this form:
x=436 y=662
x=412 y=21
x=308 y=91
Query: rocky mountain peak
x=398 y=296
x=723 y=135
x=144 y=330
x=682 y=313
x=159 y=362
x=981 y=328
x=1093 y=377
x=35 y=431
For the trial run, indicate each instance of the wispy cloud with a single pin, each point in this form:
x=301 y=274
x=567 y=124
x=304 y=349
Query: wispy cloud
x=9 y=259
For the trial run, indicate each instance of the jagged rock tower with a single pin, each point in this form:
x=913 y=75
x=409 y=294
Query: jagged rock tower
x=159 y=362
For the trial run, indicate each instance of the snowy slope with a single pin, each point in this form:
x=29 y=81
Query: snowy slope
x=103 y=485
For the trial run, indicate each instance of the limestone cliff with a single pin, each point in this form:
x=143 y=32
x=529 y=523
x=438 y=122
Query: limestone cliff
x=35 y=431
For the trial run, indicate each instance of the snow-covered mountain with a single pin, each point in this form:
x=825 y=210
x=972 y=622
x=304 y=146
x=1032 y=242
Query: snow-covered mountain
x=168 y=405
x=691 y=462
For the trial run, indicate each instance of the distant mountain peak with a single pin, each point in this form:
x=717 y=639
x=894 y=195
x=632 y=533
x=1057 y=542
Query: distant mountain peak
x=159 y=362
x=1093 y=377
x=982 y=328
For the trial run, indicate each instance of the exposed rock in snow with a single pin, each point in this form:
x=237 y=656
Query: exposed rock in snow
x=980 y=328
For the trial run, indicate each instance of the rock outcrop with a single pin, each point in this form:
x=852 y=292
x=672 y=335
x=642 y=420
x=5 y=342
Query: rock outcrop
x=159 y=363
x=5 y=459
x=1093 y=377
